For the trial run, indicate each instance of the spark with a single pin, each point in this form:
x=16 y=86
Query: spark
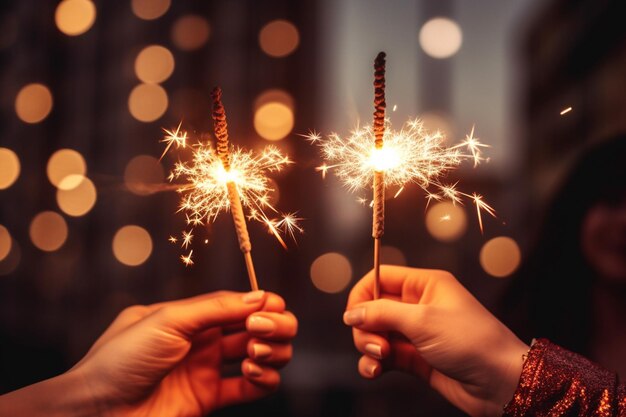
x=203 y=187
x=445 y=218
x=411 y=155
x=567 y=110
x=398 y=192
x=174 y=137
x=395 y=107
x=187 y=238
x=187 y=259
x=481 y=205
x=172 y=239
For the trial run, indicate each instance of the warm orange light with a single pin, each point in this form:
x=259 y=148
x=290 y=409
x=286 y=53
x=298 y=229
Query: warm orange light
x=154 y=64
x=274 y=95
x=33 y=103
x=48 y=231
x=66 y=169
x=391 y=255
x=331 y=272
x=143 y=175
x=150 y=9
x=132 y=245
x=9 y=168
x=446 y=221
x=441 y=37
x=5 y=242
x=500 y=256
x=190 y=32
x=75 y=17
x=279 y=38
x=147 y=102
x=273 y=121
x=384 y=158
x=79 y=200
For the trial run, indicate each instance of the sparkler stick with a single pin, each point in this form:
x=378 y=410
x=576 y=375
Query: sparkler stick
x=378 y=215
x=236 y=209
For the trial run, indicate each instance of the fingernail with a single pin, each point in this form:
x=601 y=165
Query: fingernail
x=371 y=369
x=354 y=317
x=374 y=350
x=261 y=351
x=259 y=324
x=253 y=297
x=253 y=369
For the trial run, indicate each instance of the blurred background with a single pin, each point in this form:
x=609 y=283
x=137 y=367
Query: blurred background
x=87 y=87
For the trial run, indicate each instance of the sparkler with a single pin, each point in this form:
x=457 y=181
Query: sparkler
x=410 y=155
x=228 y=178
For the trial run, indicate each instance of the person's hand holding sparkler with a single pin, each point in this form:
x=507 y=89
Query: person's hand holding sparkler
x=228 y=178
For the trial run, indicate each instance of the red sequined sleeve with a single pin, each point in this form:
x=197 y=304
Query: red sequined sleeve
x=556 y=382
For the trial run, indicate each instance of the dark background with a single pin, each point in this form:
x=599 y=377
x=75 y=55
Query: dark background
x=520 y=64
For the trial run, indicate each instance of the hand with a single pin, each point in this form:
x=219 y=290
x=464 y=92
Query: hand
x=426 y=323
x=166 y=359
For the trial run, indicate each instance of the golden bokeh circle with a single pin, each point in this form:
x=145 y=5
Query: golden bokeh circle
x=147 y=102
x=5 y=242
x=445 y=221
x=48 y=231
x=75 y=17
x=79 y=200
x=150 y=9
x=33 y=103
x=143 y=174
x=190 y=32
x=154 y=64
x=441 y=37
x=9 y=168
x=66 y=168
x=331 y=272
x=132 y=245
x=279 y=38
x=500 y=256
x=274 y=95
x=273 y=121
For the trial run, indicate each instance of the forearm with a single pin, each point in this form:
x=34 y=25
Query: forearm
x=63 y=396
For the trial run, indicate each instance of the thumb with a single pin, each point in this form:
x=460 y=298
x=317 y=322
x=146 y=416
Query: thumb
x=196 y=316
x=384 y=315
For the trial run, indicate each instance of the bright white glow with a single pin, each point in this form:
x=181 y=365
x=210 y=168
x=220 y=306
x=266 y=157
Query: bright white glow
x=441 y=37
x=384 y=159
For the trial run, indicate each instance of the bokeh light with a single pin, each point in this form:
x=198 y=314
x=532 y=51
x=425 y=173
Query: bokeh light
x=12 y=260
x=500 y=256
x=147 y=102
x=9 y=168
x=273 y=121
x=79 y=200
x=190 y=32
x=143 y=175
x=274 y=95
x=154 y=64
x=48 y=231
x=445 y=221
x=75 y=17
x=5 y=242
x=33 y=103
x=279 y=38
x=150 y=9
x=66 y=168
x=132 y=245
x=331 y=272
x=441 y=37
x=391 y=255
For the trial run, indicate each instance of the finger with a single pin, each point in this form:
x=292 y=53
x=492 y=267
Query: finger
x=273 y=326
x=385 y=315
x=269 y=353
x=191 y=318
x=237 y=390
x=369 y=368
x=234 y=346
x=404 y=357
x=260 y=375
x=371 y=344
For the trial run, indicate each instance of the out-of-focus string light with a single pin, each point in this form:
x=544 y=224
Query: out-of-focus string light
x=66 y=168
x=150 y=9
x=9 y=168
x=33 y=103
x=441 y=37
x=279 y=38
x=48 y=231
x=147 y=102
x=331 y=272
x=79 y=200
x=500 y=256
x=154 y=64
x=75 y=17
x=190 y=32
x=132 y=245
x=273 y=121
x=5 y=242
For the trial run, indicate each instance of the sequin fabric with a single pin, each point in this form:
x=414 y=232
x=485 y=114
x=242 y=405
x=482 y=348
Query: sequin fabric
x=556 y=382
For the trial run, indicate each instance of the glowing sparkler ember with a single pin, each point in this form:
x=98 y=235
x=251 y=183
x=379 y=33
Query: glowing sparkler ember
x=228 y=179
x=377 y=156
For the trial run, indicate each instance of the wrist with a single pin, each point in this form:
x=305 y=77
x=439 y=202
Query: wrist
x=63 y=396
x=513 y=363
